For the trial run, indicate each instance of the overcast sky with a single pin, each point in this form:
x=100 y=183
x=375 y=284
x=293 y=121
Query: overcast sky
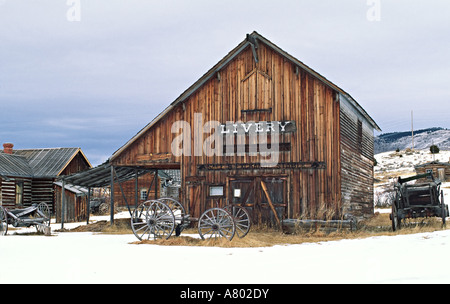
x=92 y=75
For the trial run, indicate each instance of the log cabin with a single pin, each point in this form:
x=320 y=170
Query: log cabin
x=29 y=176
x=310 y=154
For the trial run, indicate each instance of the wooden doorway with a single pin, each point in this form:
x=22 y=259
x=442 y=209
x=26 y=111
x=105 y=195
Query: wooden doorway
x=265 y=198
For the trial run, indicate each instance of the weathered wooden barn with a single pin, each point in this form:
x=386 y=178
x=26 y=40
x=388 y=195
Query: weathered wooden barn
x=313 y=159
x=28 y=176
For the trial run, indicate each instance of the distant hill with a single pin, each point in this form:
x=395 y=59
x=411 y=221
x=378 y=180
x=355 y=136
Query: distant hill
x=423 y=139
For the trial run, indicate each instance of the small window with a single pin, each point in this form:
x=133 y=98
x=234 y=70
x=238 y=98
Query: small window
x=216 y=191
x=144 y=195
x=360 y=136
x=19 y=193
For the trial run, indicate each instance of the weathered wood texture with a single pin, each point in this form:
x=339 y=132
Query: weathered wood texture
x=356 y=162
x=273 y=89
x=146 y=183
x=9 y=192
x=440 y=170
x=75 y=206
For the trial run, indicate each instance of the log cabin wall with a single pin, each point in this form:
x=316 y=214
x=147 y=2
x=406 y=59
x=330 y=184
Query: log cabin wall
x=12 y=188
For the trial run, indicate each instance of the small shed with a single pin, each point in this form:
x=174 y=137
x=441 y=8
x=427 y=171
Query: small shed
x=440 y=170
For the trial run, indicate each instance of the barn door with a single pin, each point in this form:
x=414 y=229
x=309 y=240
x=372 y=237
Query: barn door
x=264 y=198
x=194 y=200
x=273 y=199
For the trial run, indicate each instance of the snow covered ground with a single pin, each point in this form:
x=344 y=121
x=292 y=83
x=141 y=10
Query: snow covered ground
x=84 y=257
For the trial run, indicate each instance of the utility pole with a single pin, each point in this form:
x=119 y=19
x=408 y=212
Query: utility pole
x=412 y=129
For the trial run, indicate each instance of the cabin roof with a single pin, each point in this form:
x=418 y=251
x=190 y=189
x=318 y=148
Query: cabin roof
x=251 y=39
x=38 y=163
x=433 y=163
x=14 y=165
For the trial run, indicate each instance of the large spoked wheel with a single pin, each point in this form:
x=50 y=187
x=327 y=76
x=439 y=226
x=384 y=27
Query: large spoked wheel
x=152 y=219
x=43 y=211
x=443 y=209
x=241 y=219
x=394 y=218
x=3 y=221
x=178 y=211
x=216 y=223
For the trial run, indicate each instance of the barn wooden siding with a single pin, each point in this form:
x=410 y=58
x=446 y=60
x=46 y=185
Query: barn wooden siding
x=75 y=206
x=284 y=92
x=357 y=161
x=126 y=191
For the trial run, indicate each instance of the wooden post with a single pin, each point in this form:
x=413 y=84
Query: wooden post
x=156 y=184
x=63 y=202
x=136 y=188
x=112 y=196
x=264 y=187
x=88 y=205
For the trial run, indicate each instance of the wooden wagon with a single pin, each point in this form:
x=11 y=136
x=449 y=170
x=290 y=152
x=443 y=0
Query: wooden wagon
x=37 y=215
x=160 y=218
x=414 y=200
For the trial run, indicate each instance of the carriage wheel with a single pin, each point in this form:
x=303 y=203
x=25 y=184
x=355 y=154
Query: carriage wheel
x=152 y=219
x=178 y=211
x=241 y=219
x=443 y=208
x=394 y=218
x=3 y=221
x=215 y=223
x=43 y=210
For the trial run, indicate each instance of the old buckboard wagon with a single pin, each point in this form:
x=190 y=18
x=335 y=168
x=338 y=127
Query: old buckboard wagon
x=418 y=200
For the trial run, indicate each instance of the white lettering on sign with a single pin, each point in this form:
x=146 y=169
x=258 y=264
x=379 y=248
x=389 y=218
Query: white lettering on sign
x=257 y=127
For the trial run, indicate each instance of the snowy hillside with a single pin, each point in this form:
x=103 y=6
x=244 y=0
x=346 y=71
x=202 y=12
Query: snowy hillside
x=423 y=139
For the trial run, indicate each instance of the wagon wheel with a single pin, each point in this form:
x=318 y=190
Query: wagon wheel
x=394 y=218
x=43 y=210
x=178 y=211
x=443 y=208
x=241 y=218
x=103 y=208
x=216 y=222
x=3 y=221
x=152 y=219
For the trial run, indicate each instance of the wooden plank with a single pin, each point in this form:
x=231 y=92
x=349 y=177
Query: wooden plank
x=264 y=187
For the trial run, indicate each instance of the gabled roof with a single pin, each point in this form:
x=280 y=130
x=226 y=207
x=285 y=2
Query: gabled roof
x=251 y=40
x=14 y=165
x=38 y=163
